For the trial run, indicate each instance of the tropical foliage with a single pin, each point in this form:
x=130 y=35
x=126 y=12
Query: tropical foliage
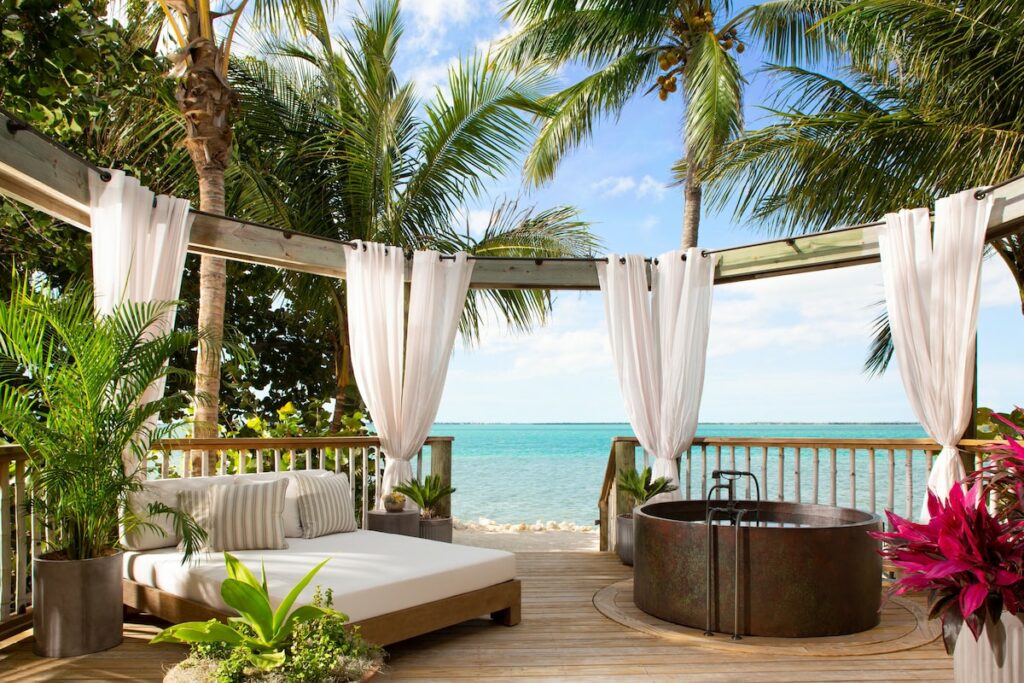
x=970 y=562
x=335 y=144
x=65 y=67
x=308 y=643
x=640 y=487
x=991 y=424
x=917 y=100
x=1002 y=474
x=207 y=103
x=633 y=47
x=426 y=494
x=72 y=394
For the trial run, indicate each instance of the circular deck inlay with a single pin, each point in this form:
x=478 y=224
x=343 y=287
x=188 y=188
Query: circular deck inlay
x=904 y=626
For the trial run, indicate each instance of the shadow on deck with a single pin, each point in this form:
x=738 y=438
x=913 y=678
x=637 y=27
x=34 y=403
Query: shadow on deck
x=562 y=637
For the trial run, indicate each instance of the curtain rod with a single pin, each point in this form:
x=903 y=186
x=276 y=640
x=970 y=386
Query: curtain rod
x=408 y=253
x=983 y=192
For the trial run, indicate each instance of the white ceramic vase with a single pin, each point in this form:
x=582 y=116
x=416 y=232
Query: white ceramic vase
x=996 y=657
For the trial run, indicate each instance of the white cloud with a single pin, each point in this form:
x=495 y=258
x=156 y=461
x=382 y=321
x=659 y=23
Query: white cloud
x=613 y=186
x=475 y=219
x=431 y=20
x=997 y=285
x=649 y=223
x=429 y=76
x=649 y=187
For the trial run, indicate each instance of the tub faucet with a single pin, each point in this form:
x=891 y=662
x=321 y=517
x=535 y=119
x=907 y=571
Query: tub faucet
x=735 y=517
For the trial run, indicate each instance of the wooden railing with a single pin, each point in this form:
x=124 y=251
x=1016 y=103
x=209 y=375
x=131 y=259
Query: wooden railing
x=359 y=457
x=868 y=474
x=16 y=530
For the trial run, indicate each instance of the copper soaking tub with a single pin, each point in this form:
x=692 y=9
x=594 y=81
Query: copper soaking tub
x=794 y=571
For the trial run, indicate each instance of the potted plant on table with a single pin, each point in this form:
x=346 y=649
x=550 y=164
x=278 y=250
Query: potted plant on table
x=270 y=644
x=640 y=488
x=428 y=495
x=71 y=394
x=971 y=564
x=394 y=502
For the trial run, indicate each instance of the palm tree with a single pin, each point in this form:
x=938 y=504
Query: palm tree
x=334 y=144
x=635 y=46
x=929 y=101
x=207 y=102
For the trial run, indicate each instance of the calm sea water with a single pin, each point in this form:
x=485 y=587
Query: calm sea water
x=529 y=472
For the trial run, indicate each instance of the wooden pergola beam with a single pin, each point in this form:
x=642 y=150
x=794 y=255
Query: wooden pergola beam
x=44 y=176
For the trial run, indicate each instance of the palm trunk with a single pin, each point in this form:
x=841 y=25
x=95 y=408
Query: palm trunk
x=343 y=402
x=207 y=102
x=691 y=206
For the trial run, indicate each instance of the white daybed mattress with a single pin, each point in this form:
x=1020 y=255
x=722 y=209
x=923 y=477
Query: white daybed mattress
x=370 y=573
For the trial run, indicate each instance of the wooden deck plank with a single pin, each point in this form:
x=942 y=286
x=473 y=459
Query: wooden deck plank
x=562 y=637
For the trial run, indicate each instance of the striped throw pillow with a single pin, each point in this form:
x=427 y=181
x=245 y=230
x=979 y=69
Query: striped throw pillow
x=240 y=516
x=196 y=503
x=325 y=505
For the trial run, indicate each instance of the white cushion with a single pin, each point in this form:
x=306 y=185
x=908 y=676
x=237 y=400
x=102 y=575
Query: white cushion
x=325 y=506
x=370 y=573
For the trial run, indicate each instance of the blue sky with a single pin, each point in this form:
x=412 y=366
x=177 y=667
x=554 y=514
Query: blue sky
x=785 y=349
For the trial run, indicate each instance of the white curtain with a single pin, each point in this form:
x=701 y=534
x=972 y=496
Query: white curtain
x=138 y=249
x=401 y=376
x=932 y=287
x=659 y=344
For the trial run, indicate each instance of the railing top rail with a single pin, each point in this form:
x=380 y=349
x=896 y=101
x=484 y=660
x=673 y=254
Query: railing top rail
x=287 y=442
x=824 y=442
x=12 y=451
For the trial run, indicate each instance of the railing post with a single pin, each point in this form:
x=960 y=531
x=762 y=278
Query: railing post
x=441 y=465
x=625 y=460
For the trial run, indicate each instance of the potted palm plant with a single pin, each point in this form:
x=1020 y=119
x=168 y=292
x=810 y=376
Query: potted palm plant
x=640 y=488
x=71 y=393
x=427 y=495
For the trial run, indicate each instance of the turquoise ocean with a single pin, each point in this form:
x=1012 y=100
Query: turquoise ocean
x=513 y=473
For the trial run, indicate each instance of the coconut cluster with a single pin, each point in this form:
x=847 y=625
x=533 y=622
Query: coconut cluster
x=672 y=60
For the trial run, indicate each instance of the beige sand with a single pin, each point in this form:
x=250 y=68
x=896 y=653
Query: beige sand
x=551 y=537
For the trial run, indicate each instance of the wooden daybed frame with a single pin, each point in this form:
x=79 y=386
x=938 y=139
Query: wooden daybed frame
x=502 y=601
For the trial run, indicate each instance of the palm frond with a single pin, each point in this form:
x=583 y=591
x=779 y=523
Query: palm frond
x=714 y=112
x=578 y=108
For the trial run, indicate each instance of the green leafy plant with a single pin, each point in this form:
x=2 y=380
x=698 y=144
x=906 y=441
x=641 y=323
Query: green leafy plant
x=426 y=494
x=992 y=425
x=310 y=644
x=261 y=631
x=640 y=487
x=72 y=391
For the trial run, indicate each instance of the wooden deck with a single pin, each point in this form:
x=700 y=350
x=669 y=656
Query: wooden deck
x=562 y=637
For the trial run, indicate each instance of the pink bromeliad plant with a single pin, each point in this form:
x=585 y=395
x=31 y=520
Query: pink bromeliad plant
x=968 y=560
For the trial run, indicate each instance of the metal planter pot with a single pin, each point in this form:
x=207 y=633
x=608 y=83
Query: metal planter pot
x=437 y=529
x=624 y=538
x=77 y=605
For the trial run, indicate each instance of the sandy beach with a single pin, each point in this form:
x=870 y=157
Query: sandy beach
x=540 y=536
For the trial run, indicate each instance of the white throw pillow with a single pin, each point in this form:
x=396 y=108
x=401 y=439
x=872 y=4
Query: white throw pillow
x=325 y=505
x=145 y=537
x=239 y=516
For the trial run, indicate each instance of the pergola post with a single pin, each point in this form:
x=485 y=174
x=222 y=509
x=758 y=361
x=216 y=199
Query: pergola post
x=625 y=461
x=441 y=465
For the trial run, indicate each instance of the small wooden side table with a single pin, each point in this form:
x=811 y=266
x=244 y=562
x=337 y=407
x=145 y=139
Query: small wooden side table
x=405 y=523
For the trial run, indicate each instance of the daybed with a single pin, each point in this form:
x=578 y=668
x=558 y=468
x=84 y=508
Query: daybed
x=393 y=587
